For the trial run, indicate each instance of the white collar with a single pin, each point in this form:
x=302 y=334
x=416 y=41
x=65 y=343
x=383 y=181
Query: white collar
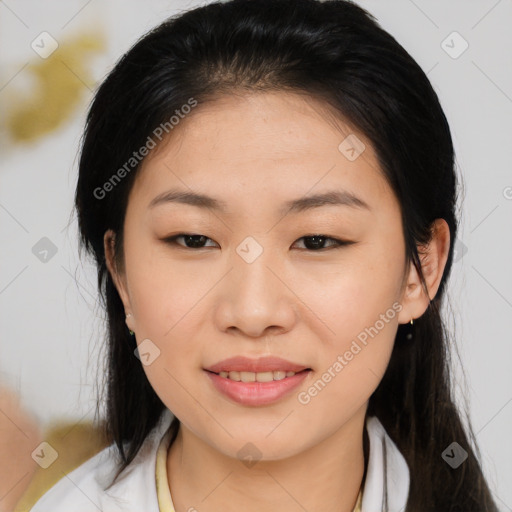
x=387 y=479
x=386 y=485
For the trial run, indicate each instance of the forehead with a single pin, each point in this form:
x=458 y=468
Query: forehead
x=274 y=125
x=276 y=145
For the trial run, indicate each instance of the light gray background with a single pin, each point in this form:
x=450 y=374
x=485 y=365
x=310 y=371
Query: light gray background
x=51 y=327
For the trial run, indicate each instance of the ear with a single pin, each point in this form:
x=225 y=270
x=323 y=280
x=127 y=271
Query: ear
x=118 y=278
x=433 y=259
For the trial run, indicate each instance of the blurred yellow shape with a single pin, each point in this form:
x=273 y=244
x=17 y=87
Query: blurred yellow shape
x=75 y=444
x=60 y=83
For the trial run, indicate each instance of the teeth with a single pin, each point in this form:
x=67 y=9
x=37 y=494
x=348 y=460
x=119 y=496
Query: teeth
x=256 y=377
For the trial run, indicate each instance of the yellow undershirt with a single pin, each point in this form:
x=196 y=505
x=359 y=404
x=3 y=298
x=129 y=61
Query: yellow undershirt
x=165 y=503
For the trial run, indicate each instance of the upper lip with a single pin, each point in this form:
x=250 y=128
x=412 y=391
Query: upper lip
x=263 y=364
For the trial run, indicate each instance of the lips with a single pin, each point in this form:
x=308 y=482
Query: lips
x=263 y=364
x=253 y=394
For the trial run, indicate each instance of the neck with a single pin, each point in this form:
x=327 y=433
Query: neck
x=326 y=477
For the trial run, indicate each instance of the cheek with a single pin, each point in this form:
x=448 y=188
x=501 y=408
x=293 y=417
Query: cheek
x=356 y=311
x=346 y=298
x=165 y=295
x=351 y=371
x=167 y=307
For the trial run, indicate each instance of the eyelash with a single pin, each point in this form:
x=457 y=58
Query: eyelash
x=337 y=242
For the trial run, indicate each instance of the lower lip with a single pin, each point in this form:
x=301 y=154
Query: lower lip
x=257 y=393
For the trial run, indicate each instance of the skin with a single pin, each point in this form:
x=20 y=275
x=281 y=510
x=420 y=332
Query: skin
x=305 y=305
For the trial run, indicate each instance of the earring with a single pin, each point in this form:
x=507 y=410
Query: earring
x=409 y=334
x=131 y=332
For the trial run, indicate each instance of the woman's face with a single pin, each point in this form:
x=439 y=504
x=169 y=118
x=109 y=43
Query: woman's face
x=251 y=285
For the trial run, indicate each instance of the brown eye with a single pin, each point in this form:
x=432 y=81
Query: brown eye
x=317 y=242
x=191 y=241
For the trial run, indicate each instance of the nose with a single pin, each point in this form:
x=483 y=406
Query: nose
x=256 y=298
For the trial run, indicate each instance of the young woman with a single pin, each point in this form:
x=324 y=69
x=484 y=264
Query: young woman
x=268 y=190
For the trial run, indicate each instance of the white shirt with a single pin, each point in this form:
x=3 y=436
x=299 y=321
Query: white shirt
x=82 y=490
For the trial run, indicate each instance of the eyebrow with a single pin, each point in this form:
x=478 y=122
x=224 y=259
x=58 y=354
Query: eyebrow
x=334 y=197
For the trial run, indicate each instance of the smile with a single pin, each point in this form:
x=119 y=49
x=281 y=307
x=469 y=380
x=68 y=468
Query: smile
x=256 y=388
